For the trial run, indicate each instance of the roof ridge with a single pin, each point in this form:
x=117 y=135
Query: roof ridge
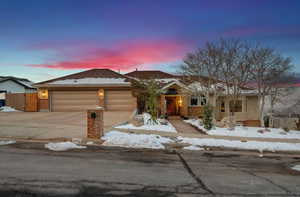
x=82 y=72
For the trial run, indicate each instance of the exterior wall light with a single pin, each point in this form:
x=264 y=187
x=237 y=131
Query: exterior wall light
x=180 y=102
x=101 y=93
x=43 y=94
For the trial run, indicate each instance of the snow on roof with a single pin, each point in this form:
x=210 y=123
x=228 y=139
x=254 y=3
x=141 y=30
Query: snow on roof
x=90 y=81
x=167 y=80
x=26 y=83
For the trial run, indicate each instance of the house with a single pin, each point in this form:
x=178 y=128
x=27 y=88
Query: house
x=287 y=104
x=114 y=92
x=87 y=89
x=10 y=84
x=180 y=97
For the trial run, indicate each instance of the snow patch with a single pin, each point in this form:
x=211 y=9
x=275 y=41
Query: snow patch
x=91 y=81
x=7 y=142
x=296 y=167
x=63 y=146
x=241 y=131
x=167 y=80
x=8 y=109
x=116 y=138
x=192 y=147
x=249 y=145
x=150 y=125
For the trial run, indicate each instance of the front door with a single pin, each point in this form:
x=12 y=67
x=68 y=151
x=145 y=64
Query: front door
x=171 y=106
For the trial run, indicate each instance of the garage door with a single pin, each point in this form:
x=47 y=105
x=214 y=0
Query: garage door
x=63 y=101
x=119 y=101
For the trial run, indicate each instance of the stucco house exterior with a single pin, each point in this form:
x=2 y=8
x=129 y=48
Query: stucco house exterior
x=88 y=89
x=114 y=92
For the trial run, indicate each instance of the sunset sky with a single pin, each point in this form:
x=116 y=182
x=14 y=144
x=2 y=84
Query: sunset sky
x=42 y=39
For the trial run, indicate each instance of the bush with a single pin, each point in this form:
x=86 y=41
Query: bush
x=208 y=116
x=148 y=92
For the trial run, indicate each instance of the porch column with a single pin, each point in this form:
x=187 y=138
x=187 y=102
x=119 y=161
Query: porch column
x=244 y=107
x=163 y=105
x=227 y=108
x=184 y=106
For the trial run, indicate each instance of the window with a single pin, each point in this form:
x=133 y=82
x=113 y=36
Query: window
x=171 y=91
x=237 y=107
x=198 y=100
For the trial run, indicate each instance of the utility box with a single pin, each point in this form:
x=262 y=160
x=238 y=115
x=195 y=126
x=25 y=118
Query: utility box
x=95 y=123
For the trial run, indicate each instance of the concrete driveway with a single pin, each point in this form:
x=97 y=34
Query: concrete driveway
x=45 y=125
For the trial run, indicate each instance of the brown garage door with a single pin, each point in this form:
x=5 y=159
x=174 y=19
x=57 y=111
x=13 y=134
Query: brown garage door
x=62 y=101
x=119 y=100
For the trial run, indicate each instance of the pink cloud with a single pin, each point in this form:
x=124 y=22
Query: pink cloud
x=124 y=56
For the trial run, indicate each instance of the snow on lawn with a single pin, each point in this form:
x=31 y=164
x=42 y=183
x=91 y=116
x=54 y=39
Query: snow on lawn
x=63 y=146
x=247 y=131
x=149 y=125
x=249 y=145
x=296 y=167
x=8 y=109
x=7 y=142
x=192 y=147
x=116 y=138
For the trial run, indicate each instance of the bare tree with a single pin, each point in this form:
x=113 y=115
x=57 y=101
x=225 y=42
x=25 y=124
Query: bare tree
x=225 y=60
x=268 y=70
x=235 y=69
x=203 y=68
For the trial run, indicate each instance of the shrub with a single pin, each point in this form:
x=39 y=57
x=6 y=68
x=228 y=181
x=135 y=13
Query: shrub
x=208 y=116
x=148 y=92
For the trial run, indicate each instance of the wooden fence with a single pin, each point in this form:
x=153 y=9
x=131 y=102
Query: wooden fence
x=23 y=101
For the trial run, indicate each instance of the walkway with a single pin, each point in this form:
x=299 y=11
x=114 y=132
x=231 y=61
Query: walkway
x=183 y=127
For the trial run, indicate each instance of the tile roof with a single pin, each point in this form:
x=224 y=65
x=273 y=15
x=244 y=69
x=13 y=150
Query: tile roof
x=150 y=74
x=93 y=73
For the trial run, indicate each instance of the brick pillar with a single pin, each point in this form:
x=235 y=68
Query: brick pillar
x=95 y=123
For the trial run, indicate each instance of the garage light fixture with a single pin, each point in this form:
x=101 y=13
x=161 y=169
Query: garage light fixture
x=101 y=93
x=43 y=94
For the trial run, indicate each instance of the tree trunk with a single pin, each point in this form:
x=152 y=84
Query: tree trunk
x=261 y=110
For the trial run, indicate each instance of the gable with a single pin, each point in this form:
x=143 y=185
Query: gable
x=10 y=86
x=94 y=77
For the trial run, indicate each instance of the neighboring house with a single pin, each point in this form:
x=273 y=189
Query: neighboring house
x=288 y=103
x=15 y=85
x=114 y=92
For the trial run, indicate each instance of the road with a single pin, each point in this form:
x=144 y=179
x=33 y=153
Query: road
x=27 y=169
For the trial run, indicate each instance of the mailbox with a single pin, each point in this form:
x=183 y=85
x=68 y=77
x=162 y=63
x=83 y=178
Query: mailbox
x=93 y=115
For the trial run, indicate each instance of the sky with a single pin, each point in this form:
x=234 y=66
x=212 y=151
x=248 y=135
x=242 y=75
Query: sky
x=40 y=40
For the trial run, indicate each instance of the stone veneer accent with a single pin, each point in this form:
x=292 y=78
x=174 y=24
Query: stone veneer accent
x=95 y=125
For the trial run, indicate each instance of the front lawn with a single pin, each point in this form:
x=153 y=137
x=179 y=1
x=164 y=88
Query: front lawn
x=241 y=131
x=121 y=139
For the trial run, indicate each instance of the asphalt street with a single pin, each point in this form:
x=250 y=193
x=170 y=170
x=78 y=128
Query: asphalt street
x=27 y=169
